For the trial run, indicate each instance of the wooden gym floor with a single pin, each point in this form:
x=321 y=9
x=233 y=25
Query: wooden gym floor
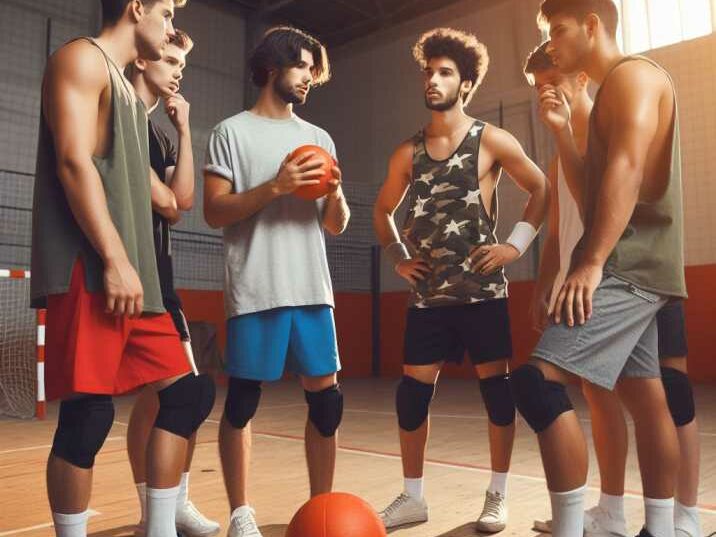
x=368 y=465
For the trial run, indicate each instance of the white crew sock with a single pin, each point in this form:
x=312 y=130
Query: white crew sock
x=414 y=487
x=687 y=519
x=659 y=517
x=568 y=512
x=161 y=512
x=142 y=493
x=183 y=491
x=71 y=525
x=613 y=505
x=498 y=483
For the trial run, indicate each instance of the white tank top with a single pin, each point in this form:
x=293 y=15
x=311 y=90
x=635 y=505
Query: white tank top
x=571 y=229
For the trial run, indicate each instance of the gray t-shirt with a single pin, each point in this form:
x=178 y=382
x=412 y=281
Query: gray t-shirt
x=276 y=258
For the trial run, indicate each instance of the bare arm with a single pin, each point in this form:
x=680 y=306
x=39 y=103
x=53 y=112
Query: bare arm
x=75 y=81
x=556 y=115
x=336 y=212
x=223 y=208
x=389 y=199
x=525 y=173
x=550 y=262
x=634 y=96
x=180 y=178
x=164 y=201
x=507 y=151
x=634 y=120
x=391 y=195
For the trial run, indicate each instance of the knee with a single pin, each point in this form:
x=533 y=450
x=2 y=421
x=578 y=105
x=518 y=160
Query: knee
x=325 y=409
x=82 y=428
x=412 y=402
x=679 y=396
x=242 y=400
x=185 y=405
x=540 y=401
x=498 y=400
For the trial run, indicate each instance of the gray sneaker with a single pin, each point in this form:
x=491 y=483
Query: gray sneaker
x=404 y=510
x=494 y=513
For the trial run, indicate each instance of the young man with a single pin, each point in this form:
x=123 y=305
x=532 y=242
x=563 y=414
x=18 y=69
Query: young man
x=172 y=191
x=628 y=263
x=278 y=289
x=448 y=253
x=608 y=425
x=94 y=268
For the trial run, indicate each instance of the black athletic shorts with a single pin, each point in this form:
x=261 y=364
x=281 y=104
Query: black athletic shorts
x=444 y=333
x=671 y=323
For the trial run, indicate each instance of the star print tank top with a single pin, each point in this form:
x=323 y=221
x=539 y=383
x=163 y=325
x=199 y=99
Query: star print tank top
x=446 y=221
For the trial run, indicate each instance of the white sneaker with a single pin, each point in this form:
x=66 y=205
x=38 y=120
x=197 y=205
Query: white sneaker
x=687 y=523
x=599 y=523
x=243 y=523
x=404 y=510
x=494 y=513
x=191 y=523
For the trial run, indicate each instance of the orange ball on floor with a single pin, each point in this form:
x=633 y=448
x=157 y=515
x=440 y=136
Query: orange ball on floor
x=336 y=514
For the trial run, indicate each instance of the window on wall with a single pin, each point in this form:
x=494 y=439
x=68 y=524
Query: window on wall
x=647 y=24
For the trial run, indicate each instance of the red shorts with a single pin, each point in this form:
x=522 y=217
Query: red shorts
x=90 y=351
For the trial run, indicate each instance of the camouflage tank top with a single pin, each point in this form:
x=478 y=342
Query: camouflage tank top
x=446 y=221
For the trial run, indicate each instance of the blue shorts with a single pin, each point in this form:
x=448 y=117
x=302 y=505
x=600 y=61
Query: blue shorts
x=302 y=340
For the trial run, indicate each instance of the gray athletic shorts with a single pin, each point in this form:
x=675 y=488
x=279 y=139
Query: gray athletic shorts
x=620 y=339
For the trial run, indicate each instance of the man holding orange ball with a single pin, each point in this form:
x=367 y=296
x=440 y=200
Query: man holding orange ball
x=278 y=293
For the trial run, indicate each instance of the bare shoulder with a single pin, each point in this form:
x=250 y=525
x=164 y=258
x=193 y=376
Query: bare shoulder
x=79 y=63
x=498 y=140
x=402 y=156
x=635 y=80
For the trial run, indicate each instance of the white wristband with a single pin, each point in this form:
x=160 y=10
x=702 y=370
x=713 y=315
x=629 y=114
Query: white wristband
x=522 y=236
x=396 y=252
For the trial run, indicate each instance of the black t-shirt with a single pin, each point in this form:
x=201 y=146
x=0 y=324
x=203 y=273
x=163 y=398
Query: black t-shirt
x=163 y=155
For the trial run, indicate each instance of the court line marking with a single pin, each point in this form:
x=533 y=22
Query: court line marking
x=92 y=513
x=468 y=417
x=705 y=508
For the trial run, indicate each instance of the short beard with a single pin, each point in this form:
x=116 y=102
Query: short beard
x=285 y=93
x=444 y=106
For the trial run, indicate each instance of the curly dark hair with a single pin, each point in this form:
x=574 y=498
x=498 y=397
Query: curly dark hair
x=463 y=48
x=281 y=47
x=606 y=10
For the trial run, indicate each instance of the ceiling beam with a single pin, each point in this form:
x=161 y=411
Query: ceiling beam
x=267 y=8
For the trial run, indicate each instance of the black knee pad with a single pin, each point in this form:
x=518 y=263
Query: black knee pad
x=539 y=401
x=242 y=400
x=82 y=428
x=679 y=395
x=498 y=400
x=185 y=405
x=325 y=409
x=412 y=402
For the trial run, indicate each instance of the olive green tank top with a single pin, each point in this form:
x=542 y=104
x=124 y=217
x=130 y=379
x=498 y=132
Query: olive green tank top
x=650 y=252
x=57 y=240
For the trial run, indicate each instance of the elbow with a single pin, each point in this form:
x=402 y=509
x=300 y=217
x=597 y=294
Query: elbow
x=70 y=167
x=211 y=219
x=186 y=203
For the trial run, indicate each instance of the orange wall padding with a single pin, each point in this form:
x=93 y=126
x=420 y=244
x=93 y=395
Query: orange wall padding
x=353 y=324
